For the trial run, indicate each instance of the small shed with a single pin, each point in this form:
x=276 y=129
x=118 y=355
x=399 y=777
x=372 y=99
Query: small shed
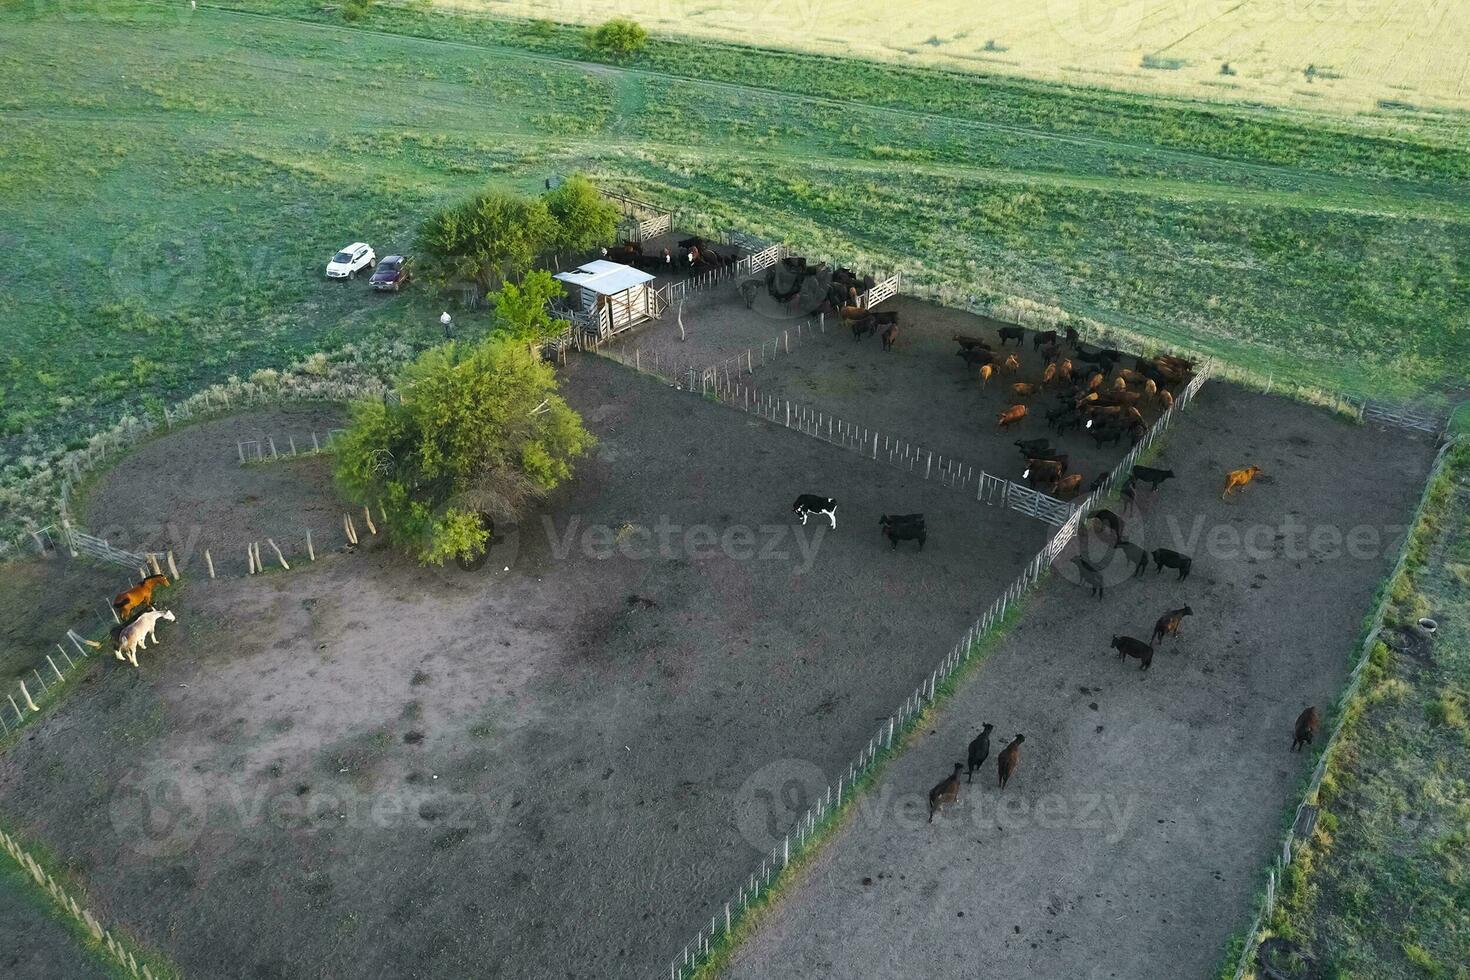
x=613 y=296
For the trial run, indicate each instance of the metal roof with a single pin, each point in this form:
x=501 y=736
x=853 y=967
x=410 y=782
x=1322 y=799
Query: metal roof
x=604 y=277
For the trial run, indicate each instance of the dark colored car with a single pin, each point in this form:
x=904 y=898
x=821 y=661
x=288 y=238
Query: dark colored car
x=392 y=273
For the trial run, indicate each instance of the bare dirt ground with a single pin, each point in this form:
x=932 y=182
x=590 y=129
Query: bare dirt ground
x=544 y=768
x=43 y=598
x=920 y=392
x=188 y=492
x=1131 y=841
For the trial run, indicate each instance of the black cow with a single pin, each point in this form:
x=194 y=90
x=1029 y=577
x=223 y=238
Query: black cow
x=906 y=532
x=1137 y=556
x=892 y=520
x=1127 y=646
x=974 y=356
x=979 y=751
x=1046 y=338
x=1164 y=558
x=1113 y=521
x=1153 y=477
x=1018 y=334
x=863 y=325
x=889 y=336
x=1091 y=575
x=809 y=503
x=1034 y=448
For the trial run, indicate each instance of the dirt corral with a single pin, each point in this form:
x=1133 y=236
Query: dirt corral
x=188 y=491
x=1132 y=839
x=553 y=766
x=920 y=392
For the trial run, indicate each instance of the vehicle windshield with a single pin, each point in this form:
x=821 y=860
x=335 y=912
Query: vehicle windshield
x=342 y=257
x=388 y=265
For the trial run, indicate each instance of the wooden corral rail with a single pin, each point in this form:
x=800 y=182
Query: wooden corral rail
x=641 y=220
x=1403 y=418
x=887 y=289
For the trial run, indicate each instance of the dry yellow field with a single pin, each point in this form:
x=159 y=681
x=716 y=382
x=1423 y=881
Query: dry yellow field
x=1362 y=51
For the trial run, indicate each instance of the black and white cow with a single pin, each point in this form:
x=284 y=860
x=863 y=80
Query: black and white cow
x=809 y=503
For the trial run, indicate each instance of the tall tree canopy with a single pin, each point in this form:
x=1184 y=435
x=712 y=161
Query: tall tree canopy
x=584 y=218
x=485 y=240
x=496 y=236
x=479 y=429
x=522 y=312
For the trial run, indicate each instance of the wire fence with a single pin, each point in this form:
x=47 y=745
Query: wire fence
x=114 y=949
x=1306 y=811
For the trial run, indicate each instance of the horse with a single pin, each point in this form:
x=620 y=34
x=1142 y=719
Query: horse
x=128 y=600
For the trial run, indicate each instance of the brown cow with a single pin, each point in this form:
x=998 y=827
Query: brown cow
x=1064 y=368
x=1012 y=364
x=987 y=371
x=947 y=791
x=1095 y=382
x=1166 y=399
x=1049 y=375
x=1066 y=487
x=1239 y=479
x=1011 y=416
x=1023 y=390
x=1009 y=760
x=130 y=600
x=1307 y=724
x=1168 y=624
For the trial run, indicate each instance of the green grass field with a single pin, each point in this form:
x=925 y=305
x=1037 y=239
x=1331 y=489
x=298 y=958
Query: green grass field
x=172 y=185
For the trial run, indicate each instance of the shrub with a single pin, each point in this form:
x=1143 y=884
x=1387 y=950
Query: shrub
x=584 y=218
x=479 y=430
x=617 y=39
x=354 y=10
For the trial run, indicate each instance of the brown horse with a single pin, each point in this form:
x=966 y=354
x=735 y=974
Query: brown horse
x=129 y=600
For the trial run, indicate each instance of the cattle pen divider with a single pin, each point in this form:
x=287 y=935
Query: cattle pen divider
x=813 y=825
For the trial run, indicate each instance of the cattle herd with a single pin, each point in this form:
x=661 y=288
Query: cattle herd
x=695 y=254
x=1093 y=393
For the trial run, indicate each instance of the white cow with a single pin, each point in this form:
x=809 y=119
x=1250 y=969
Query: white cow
x=135 y=635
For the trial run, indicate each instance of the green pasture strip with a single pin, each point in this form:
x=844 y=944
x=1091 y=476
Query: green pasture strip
x=1380 y=888
x=1255 y=134
x=47 y=877
x=1355 y=304
x=17 y=883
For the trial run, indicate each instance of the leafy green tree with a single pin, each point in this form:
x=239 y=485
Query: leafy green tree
x=479 y=430
x=617 y=39
x=486 y=240
x=584 y=218
x=521 y=311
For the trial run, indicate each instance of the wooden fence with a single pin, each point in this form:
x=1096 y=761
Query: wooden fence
x=114 y=949
x=260 y=451
x=887 y=289
x=1305 y=820
x=640 y=219
x=1403 y=418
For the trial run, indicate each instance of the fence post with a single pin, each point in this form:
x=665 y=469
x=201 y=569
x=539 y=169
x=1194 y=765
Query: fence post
x=209 y=562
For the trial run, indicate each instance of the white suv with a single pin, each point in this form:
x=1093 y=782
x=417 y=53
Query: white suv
x=348 y=262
